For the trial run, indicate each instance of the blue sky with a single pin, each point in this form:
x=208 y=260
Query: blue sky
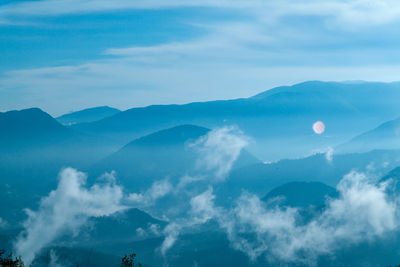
x=63 y=55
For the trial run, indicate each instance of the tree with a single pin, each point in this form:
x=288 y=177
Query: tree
x=10 y=261
x=129 y=261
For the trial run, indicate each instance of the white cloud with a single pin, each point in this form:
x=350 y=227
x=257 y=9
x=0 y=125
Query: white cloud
x=219 y=149
x=217 y=152
x=171 y=233
x=329 y=154
x=65 y=210
x=363 y=212
x=348 y=13
x=202 y=206
x=55 y=261
x=158 y=190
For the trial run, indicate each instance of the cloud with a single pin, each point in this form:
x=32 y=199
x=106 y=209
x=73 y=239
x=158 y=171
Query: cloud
x=200 y=212
x=66 y=210
x=202 y=208
x=251 y=49
x=171 y=233
x=329 y=154
x=64 y=7
x=3 y=223
x=353 y=12
x=362 y=212
x=55 y=261
x=219 y=149
x=158 y=190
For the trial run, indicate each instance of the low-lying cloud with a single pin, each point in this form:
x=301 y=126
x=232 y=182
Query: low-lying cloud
x=158 y=190
x=362 y=212
x=65 y=210
x=219 y=149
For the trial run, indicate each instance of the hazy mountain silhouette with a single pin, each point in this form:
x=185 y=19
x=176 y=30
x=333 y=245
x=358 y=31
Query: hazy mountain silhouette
x=33 y=148
x=308 y=197
x=120 y=227
x=302 y=194
x=284 y=114
x=87 y=115
x=28 y=128
x=385 y=136
x=261 y=178
x=159 y=155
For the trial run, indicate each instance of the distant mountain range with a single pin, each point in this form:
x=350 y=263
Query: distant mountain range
x=144 y=145
x=283 y=114
x=278 y=120
x=87 y=115
x=261 y=178
x=385 y=136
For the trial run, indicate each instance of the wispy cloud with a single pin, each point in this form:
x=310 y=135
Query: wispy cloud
x=219 y=149
x=362 y=212
x=66 y=210
x=158 y=190
x=250 y=48
x=354 y=12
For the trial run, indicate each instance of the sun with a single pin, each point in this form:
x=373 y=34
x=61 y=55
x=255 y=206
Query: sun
x=319 y=127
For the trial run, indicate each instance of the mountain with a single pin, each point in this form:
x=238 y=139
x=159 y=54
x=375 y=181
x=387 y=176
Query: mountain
x=33 y=136
x=261 y=178
x=393 y=177
x=385 y=136
x=301 y=194
x=87 y=115
x=309 y=198
x=280 y=119
x=162 y=154
x=28 y=128
x=33 y=148
x=128 y=225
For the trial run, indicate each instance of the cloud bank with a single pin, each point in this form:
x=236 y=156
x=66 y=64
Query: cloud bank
x=362 y=212
x=65 y=210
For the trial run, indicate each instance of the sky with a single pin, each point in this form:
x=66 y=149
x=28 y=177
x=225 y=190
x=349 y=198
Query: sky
x=66 y=55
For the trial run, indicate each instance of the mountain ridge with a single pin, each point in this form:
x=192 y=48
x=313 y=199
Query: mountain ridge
x=87 y=115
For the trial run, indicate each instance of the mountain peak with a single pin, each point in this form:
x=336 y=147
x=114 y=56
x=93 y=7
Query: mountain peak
x=27 y=125
x=87 y=115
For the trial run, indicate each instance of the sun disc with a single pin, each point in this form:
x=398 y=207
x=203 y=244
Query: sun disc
x=319 y=127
